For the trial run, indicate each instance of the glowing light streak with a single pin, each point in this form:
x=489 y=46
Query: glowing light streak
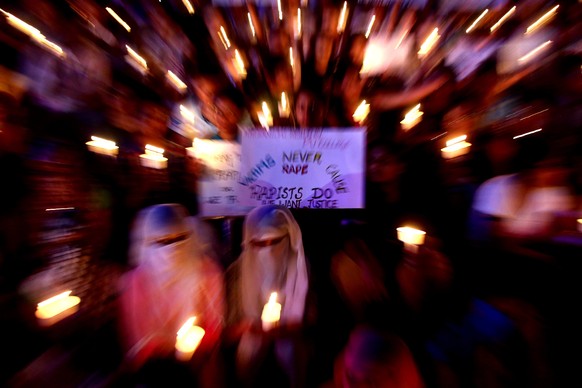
x=542 y=20
x=370 y=25
x=527 y=133
x=472 y=26
x=118 y=19
x=503 y=19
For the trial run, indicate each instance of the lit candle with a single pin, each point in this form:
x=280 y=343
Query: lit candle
x=456 y=147
x=361 y=112
x=429 y=43
x=284 y=110
x=187 y=339
x=239 y=65
x=153 y=157
x=412 y=117
x=137 y=60
x=176 y=81
x=271 y=313
x=102 y=146
x=265 y=117
x=411 y=237
x=56 y=308
x=341 y=24
x=579 y=225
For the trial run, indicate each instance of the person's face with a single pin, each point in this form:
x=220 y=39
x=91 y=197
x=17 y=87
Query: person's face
x=306 y=111
x=155 y=120
x=279 y=42
x=357 y=50
x=226 y=117
x=281 y=80
x=329 y=20
x=501 y=151
x=383 y=167
x=323 y=47
x=205 y=88
x=458 y=120
x=352 y=85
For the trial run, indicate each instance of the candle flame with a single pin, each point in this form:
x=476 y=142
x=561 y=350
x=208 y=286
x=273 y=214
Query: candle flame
x=429 y=43
x=239 y=64
x=456 y=140
x=410 y=235
x=118 y=19
x=102 y=146
x=527 y=133
x=341 y=24
x=188 y=6
x=534 y=52
x=102 y=143
x=53 y=299
x=361 y=112
x=370 y=25
x=412 y=117
x=57 y=307
x=503 y=19
x=284 y=100
x=456 y=147
x=298 y=22
x=20 y=25
x=280 y=10
x=177 y=82
x=135 y=56
x=472 y=26
x=226 y=40
x=186 y=113
x=542 y=20
x=186 y=326
x=155 y=149
x=251 y=25
x=33 y=33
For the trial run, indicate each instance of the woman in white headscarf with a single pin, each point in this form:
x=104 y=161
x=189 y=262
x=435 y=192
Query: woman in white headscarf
x=272 y=260
x=172 y=281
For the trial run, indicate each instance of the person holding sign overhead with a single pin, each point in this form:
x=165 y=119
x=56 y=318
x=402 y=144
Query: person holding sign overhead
x=268 y=288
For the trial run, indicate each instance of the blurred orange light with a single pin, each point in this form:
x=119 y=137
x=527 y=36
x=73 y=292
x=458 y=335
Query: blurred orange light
x=542 y=20
x=341 y=24
x=118 y=19
x=188 y=6
x=370 y=25
x=503 y=19
x=429 y=43
x=534 y=52
x=472 y=26
x=56 y=308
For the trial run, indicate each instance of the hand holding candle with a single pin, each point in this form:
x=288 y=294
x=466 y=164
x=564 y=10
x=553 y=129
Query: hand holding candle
x=187 y=339
x=271 y=313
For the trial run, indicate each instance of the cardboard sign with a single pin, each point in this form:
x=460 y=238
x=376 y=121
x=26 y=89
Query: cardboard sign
x=319 y=168
x=218 y=183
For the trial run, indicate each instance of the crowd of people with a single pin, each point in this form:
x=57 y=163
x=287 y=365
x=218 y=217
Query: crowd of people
x=486 y=301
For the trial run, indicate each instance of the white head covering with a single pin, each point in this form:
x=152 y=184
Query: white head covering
x=156 y=222
x=172 y=270
x=277 y=268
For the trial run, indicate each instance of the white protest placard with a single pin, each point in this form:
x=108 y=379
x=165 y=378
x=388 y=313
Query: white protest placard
x=217 y=185
x=319 y=168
